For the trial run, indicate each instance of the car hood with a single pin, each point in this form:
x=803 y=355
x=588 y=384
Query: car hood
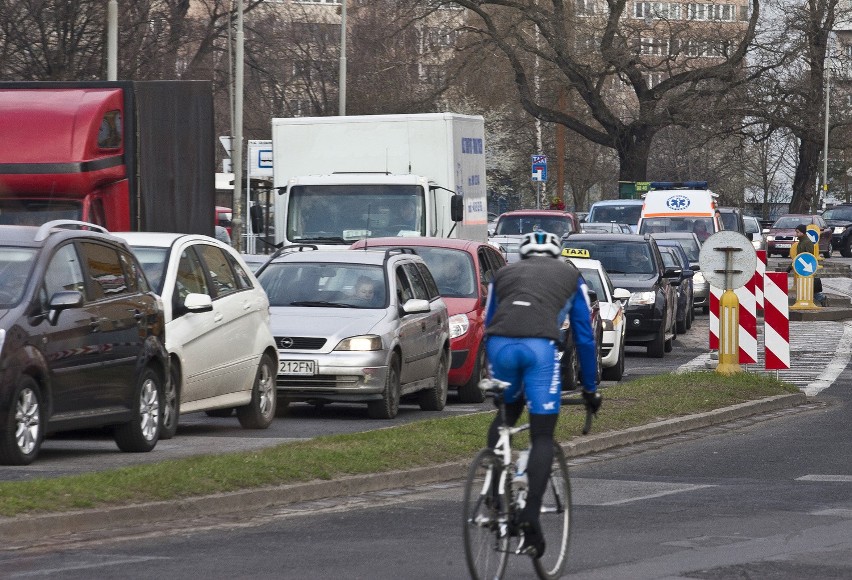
x=3 y=313
x=460 y=305
x=634 y=282
x=327 y=322
x=838 y=223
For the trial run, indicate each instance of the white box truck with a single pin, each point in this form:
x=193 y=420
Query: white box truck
x=341 y=179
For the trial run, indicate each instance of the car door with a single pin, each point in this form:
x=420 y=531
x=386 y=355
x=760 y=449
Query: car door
x=116 y=313
x=409 y=328
x=432 y=336
x=235 y=326
x=192 y=335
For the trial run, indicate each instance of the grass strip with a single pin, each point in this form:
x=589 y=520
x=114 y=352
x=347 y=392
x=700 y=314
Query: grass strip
x=418 y=444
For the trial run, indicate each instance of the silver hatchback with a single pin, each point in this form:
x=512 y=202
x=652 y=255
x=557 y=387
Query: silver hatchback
x=357 y=326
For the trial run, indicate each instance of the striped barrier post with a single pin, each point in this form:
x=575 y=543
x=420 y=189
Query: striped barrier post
x=715 y=295
x=757 y=279
x=776 y=322
x=748 y=323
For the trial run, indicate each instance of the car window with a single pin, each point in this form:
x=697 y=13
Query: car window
x=431 y=286
x=153 y=261
x=516 y=225
x=594 y=282
x=321 y=284
x=243 y=281
x=63 y=273
x=623 y=214
x=618 y=257
x=131 y=272
x=669 y=260
x=838 y=213
x=404 y=292
x=190 y=278
x=787 y=222
x=15 y=267
x=752 y=226
x=106 y=276
x=219 y=270
x=417 y=283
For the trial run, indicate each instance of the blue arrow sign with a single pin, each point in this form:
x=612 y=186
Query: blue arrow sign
x=813 y=235
x=805 y=265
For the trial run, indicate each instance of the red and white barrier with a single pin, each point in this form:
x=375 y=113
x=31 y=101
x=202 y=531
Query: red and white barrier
x=757 y=279
x=748 y=324
x=776 y=321
x=715 y=295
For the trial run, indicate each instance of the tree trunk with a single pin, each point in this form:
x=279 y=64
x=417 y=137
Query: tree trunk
x=804 y=184
x=633 y=152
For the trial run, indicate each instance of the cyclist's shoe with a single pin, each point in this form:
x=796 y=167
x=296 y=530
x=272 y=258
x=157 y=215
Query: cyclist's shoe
x=593 y=401
x=532 y=540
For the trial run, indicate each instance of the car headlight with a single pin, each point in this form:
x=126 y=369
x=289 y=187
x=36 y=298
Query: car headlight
x=642 y=298
x=360 y=343
x=459 y=325
x=607 y=324
x=770 y=238
x=698 y=278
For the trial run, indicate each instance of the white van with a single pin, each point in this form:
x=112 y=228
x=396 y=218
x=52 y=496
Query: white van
x=619 y=211
x=680 y=207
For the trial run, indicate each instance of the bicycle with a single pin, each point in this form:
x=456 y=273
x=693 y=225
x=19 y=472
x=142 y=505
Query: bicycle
x=493 y=497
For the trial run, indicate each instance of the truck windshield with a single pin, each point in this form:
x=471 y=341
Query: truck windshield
x=35 y=212
x=342 y=214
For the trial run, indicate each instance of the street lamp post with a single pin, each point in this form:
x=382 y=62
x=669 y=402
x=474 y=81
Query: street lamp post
x=341 y=108
x=237 y=143
x=825 y=141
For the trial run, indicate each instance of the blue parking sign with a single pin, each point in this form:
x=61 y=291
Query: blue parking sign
x=539 y=167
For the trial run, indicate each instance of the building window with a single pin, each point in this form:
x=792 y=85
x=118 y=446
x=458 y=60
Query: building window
x=722 y=12
x=657 y=10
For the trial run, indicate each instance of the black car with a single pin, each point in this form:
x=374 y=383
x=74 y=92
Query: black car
x=839 y=218
x=633 y=262
x=81 y=339
x=674 y=257
x=732 y=219
x=690 y=244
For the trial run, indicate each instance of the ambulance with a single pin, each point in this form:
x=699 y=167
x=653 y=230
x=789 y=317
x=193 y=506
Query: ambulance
x=680 y=207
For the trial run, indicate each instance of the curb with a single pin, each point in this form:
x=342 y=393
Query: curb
x=32 y=528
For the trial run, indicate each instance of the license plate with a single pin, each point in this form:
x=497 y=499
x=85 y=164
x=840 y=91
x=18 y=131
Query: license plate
x=783 y=245
x=298 y=367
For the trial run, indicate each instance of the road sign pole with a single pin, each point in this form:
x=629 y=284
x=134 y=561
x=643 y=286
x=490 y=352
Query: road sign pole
x=729 y=320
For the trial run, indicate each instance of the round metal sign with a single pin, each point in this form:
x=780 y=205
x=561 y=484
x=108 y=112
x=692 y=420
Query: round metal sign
x=712 y=259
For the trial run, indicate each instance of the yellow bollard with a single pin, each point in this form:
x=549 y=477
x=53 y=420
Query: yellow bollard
x=804 y=285
x=729 y=328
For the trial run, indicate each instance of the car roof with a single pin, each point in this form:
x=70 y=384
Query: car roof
x=618 y=202
x=38 y=236
x=159 y=239
x=589 y=263
x=413 y=241
x=536 y=212
x=619 y=237
x=361 y=256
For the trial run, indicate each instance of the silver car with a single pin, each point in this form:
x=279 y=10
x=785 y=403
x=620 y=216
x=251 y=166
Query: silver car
x=357 y=326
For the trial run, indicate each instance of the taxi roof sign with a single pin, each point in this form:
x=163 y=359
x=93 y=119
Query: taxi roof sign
x=575 y=253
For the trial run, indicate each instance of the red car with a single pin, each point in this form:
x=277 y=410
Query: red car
x=462 y=269
x=781 y=235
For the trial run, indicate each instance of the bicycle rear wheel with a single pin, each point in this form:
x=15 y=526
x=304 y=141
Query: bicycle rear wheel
x=486 y=536
x=555 y=519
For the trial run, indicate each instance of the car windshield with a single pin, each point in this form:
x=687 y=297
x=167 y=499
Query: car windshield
x=789 y=222
x=319 y=284
x=15 y=267
x=618 y=257
x=35 y=212
x=622 y=214
x=513 y=225
x=453 y=270
x=594 y=282
x=154 y=261
x=729 y=220
x=838 y=213
x=696 y=225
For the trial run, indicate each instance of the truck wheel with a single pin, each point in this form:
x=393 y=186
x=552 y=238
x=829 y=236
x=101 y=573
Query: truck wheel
x=388 y=406
x=470 y=391
x=141 y=433
x=23 y=425
x=259 y=413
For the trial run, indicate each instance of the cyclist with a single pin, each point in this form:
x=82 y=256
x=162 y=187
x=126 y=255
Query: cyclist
x=527 y=303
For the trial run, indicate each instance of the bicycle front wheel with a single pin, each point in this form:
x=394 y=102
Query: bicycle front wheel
x=555 y=519
x=486 y=534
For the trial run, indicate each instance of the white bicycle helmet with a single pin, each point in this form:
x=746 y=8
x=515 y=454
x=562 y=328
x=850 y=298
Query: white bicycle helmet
x=540 y=243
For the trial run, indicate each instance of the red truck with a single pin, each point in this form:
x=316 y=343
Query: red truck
x=127 y=155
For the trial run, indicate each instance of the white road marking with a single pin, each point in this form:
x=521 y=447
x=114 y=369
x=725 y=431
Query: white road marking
x=117 y=562
x=821 y=477
x=836 y=366
x=842 y=513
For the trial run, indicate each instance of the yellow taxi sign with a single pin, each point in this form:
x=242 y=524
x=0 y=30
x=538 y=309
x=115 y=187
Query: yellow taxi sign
x=575 y=253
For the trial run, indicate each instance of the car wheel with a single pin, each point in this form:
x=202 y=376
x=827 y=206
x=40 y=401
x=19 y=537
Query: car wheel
x=388 y=406
x=259 y=413
x=470 y=391
x=614 y=373
x=141 y=433
x=570 y=369
x=220 y=413
x=690 y=315
x=656 y=348
x=599 y=353
x=829 y=251
x=846 y=249
x=681 y=324
x=23 y=431
x=435 y=399
x=171 y=405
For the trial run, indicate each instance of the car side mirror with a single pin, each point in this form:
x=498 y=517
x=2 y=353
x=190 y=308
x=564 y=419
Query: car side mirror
x=63 y=301
x=416 y=306
x=198 y=303
x=593 y=296
x=621 y=294
x=673 y=274
x=765 y=231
